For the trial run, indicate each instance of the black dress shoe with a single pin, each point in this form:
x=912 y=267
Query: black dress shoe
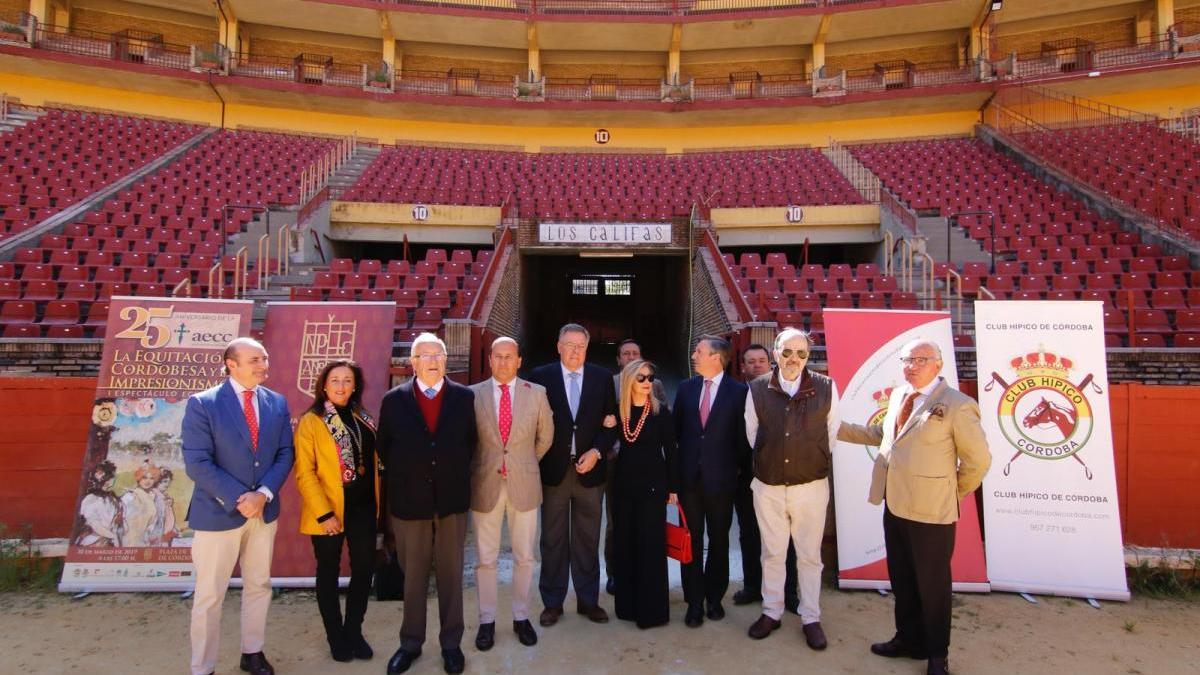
x=340 y=651
x=695 y=616
x=763 y=627
x=609 y=586
x=895 y=648
x=814 y=635
x=715 y=611
x=938 y=667
x=453 y=660
x=594 y=613
x=746 y=597
x=550 y=616
x=525 y=632
x=402 y=660
x=360 y=648
x=257 y=664
x=486 y=637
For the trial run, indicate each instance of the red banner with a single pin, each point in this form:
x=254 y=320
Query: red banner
x=864 y=352
x=301 y=337
x=130 y=532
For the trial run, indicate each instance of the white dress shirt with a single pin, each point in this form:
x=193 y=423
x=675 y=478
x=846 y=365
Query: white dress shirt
x=712 y=390
x=496 y=395
x=238 y=389
x=436 y=386
x=791 y=387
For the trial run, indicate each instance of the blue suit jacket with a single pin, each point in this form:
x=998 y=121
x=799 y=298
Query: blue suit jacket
x=709 y=456
x=220 y=460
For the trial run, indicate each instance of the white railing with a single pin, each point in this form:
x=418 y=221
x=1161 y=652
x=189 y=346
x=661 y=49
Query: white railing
x=314 y=178
x=862 y=178
x=1186 y=125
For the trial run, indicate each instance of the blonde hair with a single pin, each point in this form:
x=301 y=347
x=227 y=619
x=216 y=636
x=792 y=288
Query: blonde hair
x=625 y=401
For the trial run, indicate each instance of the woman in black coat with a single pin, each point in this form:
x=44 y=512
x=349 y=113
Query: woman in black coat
x=645 y=480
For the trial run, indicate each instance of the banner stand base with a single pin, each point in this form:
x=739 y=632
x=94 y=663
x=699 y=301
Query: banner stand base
x=885 y=586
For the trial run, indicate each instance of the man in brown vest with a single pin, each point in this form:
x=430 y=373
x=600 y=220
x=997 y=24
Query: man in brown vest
x=791 y=417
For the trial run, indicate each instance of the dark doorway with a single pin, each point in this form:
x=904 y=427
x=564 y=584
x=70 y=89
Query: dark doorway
x=644 y=297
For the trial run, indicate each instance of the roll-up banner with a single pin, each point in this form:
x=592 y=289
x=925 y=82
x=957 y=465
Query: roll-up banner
x=864 y=360
x=1050 y=498
x=130 y=531
x=301 y=337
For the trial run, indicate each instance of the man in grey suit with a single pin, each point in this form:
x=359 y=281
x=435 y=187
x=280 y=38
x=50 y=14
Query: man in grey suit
x=515 y=429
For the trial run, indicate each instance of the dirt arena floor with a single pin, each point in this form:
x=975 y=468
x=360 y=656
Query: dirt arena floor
x=998 y=633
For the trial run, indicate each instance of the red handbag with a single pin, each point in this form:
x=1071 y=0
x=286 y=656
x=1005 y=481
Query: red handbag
x=679 y=540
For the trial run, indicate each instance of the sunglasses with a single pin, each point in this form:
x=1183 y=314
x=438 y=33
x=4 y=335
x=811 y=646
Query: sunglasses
x=644 y=378
x=789 y=353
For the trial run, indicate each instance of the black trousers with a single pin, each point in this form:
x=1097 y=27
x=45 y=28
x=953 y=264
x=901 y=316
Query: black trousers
x=640 y=559
x=918 y=561
x=707 y=579
x=358 y=533
x=570 y=544
x=751 y=543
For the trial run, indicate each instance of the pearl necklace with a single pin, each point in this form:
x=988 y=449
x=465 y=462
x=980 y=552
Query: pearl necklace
x=630 y=437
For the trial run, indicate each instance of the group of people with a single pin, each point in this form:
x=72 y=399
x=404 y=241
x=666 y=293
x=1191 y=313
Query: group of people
x=552 y=447
x=144 y=515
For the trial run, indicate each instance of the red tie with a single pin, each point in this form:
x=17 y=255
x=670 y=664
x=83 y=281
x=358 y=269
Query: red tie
x=705 y=403
x=505 y=422
x=251 y=418
x=905 y=411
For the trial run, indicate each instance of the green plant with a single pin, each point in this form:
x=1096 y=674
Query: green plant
x=6 y=27
x=380 y=76
x=22 y=568
x=1164 y=580
x=1130 y=626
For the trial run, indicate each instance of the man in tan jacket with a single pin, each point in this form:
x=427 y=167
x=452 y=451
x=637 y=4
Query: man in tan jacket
x=932 y=453
x=515 y=429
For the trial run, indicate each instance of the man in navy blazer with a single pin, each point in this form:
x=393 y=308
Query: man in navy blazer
x=427 y=436
x=573 y=471
x=711 y=433
x=237 y=448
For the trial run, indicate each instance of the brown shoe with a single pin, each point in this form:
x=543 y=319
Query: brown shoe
x=550 y=616
x=594 y=613
x=815 y=636
x=763 y=627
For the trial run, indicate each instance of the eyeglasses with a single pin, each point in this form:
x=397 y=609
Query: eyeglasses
x=789 y=353
x=918 y=361
x=430 y=357
x=644 y=378
x=574 y=346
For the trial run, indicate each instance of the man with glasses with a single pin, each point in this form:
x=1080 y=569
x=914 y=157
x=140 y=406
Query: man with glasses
x=573 y=472
x=932 y=453
x=791 y=419
x=426 y=439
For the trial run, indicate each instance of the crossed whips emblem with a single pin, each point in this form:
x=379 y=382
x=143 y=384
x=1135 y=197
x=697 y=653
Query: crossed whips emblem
x=1048 y=412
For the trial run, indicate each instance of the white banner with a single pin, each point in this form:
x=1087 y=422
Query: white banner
x=1050 y=499
x=637 y=234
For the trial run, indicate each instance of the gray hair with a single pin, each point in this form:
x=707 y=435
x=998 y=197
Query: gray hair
x=573 y=328
x=789 y=333
x=231 y=349
x=426 y=338
x=922 y=342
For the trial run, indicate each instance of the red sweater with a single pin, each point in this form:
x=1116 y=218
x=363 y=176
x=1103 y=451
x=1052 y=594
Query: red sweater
x=430 y=407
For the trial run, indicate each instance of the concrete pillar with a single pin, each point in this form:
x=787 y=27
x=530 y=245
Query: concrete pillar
x=533 y=52
x=818 y=46
x=61 y=14
x=40 y=10
x=227 y=29
x=1164 y=15
x=389 y=43
x=673 y=54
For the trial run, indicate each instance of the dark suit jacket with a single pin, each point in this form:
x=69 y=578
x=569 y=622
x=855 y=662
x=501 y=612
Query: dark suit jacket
x=220 y=460
x=428 y=474
x=596 y=400
x=709 y=458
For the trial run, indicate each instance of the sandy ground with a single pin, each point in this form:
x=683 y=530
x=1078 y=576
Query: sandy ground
x=997 y=633
x=1000 y=633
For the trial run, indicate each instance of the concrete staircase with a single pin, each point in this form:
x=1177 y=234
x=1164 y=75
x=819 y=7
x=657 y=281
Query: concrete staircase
x=962 y=247
x=18 y=117
x=348 y=174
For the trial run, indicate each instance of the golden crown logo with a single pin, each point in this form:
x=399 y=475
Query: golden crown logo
x=1042 y=413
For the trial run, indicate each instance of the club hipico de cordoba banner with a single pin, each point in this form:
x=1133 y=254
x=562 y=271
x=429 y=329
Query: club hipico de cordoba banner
x=130 y=531
x=301 y=337
x=1050 y=498
x=864 y=360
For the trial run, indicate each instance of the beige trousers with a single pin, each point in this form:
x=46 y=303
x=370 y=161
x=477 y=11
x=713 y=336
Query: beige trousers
x=522 y=530
x=214 y=555
x=796 y=512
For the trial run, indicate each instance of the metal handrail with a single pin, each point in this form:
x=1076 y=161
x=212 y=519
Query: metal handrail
x=282 y=263
x=954 y=281
x=888 y=242
x=241 y=263
x=906 y=265
x=185 y=285
x=263 y=255
x=927 y=277
x=216 y=279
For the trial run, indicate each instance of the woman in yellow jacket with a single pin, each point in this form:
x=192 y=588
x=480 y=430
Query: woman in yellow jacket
x=339 y=490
